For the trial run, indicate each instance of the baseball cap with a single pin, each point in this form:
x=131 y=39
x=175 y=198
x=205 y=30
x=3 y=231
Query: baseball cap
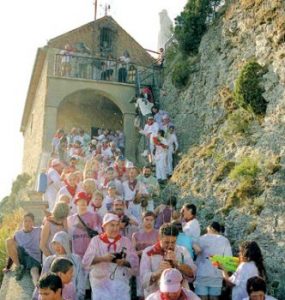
x=82 y=196
x=170 y=281
x=109 y=217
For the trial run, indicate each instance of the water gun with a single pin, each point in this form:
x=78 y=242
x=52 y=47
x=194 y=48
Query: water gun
x=229 y=263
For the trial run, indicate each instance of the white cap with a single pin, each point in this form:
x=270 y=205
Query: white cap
x=109 y=217
x=170 y=281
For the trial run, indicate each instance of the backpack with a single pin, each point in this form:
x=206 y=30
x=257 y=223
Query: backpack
x=42 y=183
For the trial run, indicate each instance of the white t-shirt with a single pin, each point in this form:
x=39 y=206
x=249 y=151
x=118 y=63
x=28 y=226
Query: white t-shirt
x=244 y=271
x=192 y=229
x=211 y=244
x=150 y=129
x=144 y=106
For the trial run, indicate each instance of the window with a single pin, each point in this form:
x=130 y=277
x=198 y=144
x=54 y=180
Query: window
x=106 y=39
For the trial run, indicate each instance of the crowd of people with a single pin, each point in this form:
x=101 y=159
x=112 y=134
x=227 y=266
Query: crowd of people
x=107 y=233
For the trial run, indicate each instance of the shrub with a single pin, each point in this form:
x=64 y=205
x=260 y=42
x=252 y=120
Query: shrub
x=9 y=225
x=180 y=75
x=247 y=168
x=247 y=91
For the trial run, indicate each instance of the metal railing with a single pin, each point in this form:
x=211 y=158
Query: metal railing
x=93 y=68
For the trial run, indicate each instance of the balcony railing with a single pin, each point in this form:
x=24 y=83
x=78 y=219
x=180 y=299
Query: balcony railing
x=93 y=68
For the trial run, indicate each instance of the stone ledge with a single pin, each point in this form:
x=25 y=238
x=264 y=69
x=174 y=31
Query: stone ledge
x=12 y=289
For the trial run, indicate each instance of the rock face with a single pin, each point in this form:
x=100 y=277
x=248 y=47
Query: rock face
x=165 y=28
x=233 y=162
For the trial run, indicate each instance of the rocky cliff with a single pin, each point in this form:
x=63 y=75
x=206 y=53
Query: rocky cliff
x=233 y=161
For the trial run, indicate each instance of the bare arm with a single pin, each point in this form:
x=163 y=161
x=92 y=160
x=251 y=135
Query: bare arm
x=106 y=258
x=44 y=239
x=185 y=269
x=226 y=277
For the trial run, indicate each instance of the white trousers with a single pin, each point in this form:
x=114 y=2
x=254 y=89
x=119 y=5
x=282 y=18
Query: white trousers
x=170 y=162
x=161 y=165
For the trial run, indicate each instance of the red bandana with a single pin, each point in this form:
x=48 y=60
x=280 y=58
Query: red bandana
x=106 y=181
x=120 y=171
x=132 y=185
x=157 y=142
x=163 y=296
x=71 y=189
x=156 y=250
x=95 y=207
x=103 y=237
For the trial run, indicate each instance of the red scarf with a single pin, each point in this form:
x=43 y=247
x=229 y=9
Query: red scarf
x=121 y=171
x=106 y=181
x=71 y=189
x=95 y=207
x=156 y=250
x=103 y=237
x=157 y=142
x=132 y=185
x=163 y=296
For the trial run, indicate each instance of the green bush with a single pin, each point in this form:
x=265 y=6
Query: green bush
x=180 y=75
x=247 y=91
x=9 y=225
x=247 y=168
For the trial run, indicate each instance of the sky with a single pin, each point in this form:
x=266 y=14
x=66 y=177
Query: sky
x=28 y=25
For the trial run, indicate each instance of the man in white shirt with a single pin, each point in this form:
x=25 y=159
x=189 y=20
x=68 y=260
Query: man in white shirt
x=54 y=182
x=191 y=226
x=163 y=255
x=172 y=148
x=150 y=128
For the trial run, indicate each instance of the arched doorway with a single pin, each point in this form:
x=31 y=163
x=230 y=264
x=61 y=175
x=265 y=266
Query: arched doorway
x=88 y=109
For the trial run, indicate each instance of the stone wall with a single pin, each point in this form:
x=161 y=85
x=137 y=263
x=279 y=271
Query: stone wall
x=34 y=130
x=90 y=35
x=210 y=130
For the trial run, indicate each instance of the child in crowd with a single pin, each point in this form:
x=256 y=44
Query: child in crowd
x=50 y=287
x=96 y=204
x=251 y=264
x=63 y=268
x=256 y=289
x=61 y=246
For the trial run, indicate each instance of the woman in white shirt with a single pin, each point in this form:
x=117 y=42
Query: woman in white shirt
x=251 y=264
x=209 y=279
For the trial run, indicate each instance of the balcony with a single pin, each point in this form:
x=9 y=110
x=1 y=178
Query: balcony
x=93 y=68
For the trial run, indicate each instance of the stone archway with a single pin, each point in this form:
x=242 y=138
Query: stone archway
x=65 y=94
x=86 y=109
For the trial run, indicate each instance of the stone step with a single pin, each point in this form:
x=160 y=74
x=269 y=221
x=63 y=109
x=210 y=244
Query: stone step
x=12 y=289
